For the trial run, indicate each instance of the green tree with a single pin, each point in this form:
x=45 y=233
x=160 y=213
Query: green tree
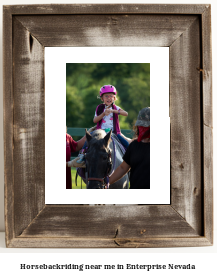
x=83 y=81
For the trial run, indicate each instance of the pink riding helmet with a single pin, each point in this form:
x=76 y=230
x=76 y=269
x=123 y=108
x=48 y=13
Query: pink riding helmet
x=107 y=89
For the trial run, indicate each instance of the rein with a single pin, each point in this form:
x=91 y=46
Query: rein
x=104 y=180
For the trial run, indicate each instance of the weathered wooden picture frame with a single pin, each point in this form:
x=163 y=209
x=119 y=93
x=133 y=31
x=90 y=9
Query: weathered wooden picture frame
x=186 y=30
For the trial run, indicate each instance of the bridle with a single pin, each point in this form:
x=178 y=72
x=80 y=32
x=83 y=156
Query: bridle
x=105 y=179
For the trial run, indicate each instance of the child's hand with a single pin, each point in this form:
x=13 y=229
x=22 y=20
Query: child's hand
x=107 y=111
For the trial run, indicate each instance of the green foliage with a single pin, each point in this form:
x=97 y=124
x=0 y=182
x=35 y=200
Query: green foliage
x=74 y=107
x=83 y=82
x=79 y=181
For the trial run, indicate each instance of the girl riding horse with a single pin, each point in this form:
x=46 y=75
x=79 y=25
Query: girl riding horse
x=106 y=116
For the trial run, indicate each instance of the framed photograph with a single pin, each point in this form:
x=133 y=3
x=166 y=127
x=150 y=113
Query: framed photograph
x=185 y=218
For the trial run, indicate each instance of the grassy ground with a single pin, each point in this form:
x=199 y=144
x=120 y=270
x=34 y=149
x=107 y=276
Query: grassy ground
x=73 y=173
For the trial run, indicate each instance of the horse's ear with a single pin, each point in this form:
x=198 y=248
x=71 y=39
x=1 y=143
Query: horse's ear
x=107 y=138
x=88 y=136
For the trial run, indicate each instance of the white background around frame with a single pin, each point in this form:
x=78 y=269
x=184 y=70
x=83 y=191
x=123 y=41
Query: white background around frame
x=10 y=258
x=55 y=124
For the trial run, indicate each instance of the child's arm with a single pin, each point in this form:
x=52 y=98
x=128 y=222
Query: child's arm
x=96 y=119
x=120 y=112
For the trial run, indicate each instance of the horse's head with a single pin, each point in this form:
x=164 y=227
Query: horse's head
x=97 y=158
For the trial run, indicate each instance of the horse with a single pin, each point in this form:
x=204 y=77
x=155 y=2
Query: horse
x=103 y=156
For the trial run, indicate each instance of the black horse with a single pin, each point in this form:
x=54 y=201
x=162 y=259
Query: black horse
x=102 y=157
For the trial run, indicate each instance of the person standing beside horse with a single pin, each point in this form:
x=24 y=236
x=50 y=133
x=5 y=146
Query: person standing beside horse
x=71 y=146
x=137 y=156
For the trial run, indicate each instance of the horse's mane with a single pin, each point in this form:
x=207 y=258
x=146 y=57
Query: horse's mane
x=97 y=137
x=99 y=133
x=97 y=141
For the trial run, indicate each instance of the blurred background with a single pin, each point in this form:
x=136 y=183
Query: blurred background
x=83 y=82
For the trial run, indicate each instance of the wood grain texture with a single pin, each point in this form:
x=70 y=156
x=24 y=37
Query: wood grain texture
x=108 y=222
x=107 y=30
x=106 y=9
x=34 y=242
x=206 y=68
x=185 y=113
x=186 y=30
x=8 y=125
x=29 y=128
x=208 y=183
x=207 y=122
